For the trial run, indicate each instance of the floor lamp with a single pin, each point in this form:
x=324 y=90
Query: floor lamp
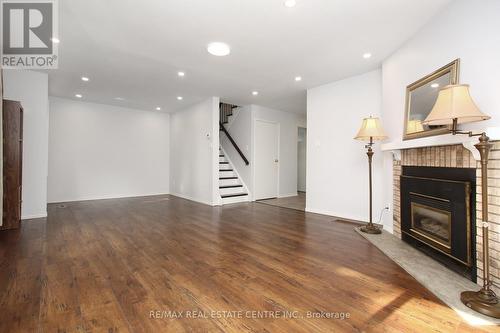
x=370 y=130
x=454 y=106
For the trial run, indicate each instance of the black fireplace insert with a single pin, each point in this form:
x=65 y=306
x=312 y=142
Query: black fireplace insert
x=438 y=215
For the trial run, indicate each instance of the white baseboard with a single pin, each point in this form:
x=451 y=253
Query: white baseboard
x=190 y=198
x=34 y=216
x=187 y=197
x=107 y=197
x=288 y=195
x=340 y=217
x=335 y=214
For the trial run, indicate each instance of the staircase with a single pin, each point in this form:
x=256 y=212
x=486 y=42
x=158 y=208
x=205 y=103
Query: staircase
x=231 y=188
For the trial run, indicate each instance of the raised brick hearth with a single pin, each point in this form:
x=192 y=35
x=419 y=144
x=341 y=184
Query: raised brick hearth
x=456 y=156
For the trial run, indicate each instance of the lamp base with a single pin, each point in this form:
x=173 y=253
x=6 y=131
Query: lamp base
x=482 y=302
x=371 y=229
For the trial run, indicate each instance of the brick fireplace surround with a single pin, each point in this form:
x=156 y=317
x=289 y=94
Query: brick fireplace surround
x=457 y=156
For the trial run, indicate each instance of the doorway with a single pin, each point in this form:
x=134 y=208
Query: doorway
x=301 y=160
x=297 y=202
x=266 y=159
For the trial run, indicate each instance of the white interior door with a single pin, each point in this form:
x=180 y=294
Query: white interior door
x=266 y=159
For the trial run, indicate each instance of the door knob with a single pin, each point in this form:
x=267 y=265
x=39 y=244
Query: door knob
x=276 y=161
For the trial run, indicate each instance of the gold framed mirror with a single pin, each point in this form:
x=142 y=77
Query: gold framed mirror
x=421 y=97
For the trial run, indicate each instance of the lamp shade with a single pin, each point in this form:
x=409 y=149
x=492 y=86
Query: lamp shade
x=414 y=126
x=371 y=129
x=454 y=102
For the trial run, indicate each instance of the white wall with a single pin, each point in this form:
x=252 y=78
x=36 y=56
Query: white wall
x=289 y=123
x=31 y=89
x=302 y=160
x=194 y=142
x=465 y=29
x=337 y=165
x=100 y=151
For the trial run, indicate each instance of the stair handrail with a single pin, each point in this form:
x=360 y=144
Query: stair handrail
x=223 y=129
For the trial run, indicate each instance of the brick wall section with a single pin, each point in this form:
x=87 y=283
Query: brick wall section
x=457 y=156
x=396 y=198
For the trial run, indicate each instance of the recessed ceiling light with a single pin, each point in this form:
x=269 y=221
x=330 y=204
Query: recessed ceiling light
x=289 y=3
x=181 y=74
x=84 y=78
x=255 y=93
x=435 y=85
x=180 y=98
x=218 y=49
x=158 y=108
x=55 y=40
x=298 y=78
x=367 y=55
x=78 y=96
x=119 y=98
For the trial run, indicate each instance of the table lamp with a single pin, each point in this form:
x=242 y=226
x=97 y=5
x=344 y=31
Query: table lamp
x=454 y=106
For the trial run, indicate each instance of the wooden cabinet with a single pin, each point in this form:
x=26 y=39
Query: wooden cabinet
x=12 y=163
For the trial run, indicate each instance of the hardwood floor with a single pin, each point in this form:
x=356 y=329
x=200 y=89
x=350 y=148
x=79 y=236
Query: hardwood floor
x=297 y=202
x=107 y=266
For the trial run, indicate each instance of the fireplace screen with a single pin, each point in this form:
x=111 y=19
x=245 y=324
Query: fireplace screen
x=433 y=224
x=438 y=214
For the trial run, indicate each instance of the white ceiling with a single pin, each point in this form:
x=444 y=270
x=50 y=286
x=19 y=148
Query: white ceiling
x=133 y=49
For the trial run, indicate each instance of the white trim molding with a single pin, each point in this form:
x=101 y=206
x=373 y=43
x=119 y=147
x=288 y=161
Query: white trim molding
x=33 y=216
x=395 y=147
x=187 y=197
x=287 y=195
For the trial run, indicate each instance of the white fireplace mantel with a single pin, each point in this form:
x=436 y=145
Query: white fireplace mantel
x=442 y=140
